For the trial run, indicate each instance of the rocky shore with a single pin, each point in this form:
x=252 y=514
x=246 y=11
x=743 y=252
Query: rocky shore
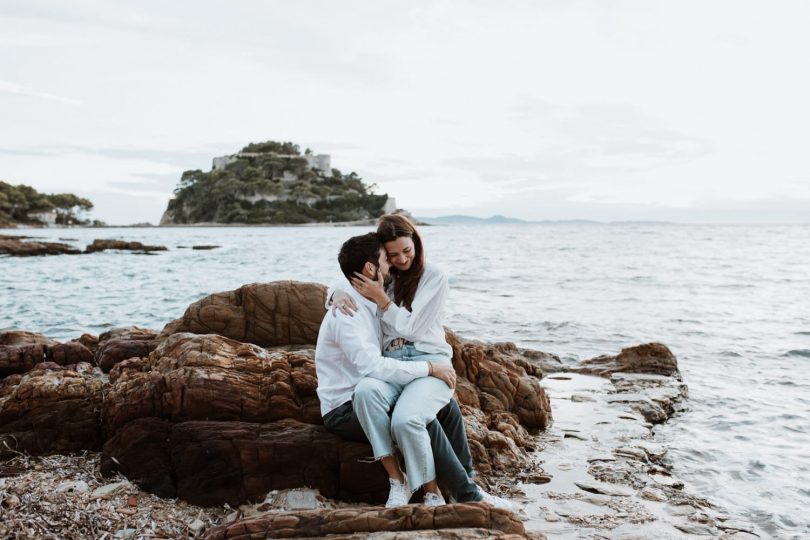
x=219 y=410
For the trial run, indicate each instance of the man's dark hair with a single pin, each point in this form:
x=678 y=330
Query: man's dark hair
x=357 y=251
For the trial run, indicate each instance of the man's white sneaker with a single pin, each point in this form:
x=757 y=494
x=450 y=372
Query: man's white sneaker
x=495 y=501
x=399 y=495
x=433 y=499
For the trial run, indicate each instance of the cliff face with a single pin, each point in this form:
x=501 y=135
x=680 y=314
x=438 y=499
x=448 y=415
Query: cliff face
x=272 y=183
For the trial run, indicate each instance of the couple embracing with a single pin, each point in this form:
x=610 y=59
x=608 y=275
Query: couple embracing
x=385 y=373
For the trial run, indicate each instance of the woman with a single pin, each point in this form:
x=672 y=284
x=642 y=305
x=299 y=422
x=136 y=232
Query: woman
x=412 y=309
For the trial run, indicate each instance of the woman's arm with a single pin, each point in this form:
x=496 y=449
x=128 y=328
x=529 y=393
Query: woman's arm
x=337 y=299
x=426 y=308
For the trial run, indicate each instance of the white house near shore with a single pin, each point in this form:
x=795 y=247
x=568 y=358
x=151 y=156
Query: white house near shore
x=47 y=217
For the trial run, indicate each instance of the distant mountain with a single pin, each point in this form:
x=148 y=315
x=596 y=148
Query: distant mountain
x=494 y=220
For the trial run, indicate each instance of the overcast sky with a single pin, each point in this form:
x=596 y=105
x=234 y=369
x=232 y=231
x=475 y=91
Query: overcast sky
x=563 y=109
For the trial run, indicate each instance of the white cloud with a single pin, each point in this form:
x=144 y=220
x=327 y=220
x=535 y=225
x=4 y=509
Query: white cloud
x=20 y=90
x=445 y=105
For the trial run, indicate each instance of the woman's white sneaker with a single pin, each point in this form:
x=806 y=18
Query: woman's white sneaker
x=495 y=501
x=399 y=494
x=433 y=499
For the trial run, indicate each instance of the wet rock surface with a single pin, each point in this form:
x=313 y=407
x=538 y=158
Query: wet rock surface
x=120 y=245
x=610 y=478
x=21 y=246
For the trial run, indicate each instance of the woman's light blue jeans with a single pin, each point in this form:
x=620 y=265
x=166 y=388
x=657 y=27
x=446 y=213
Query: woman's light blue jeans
x=414 y=406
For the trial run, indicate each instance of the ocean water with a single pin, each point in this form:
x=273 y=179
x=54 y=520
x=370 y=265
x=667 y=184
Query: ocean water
x=732 y=302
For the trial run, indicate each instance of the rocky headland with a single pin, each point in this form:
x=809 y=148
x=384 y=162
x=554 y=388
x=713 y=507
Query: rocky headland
x=273 y=183
x=219 y=410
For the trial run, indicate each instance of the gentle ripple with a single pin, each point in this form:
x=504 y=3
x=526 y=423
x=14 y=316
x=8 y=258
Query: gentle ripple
x=730 y=301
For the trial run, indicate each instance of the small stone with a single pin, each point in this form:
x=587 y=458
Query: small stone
x=105 y=492
x=574 y=435
x=302 y=499
x=692 y=528
x=197 y=526
x=669 y=481
x=12 y=501
x=132 y=500
x=124 y=533
x=605 y=489
x=77 y=486
x=653 y=494
x=637 y=454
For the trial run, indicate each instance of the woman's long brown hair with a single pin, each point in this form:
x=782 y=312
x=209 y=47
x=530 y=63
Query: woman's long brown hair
x=391 y=227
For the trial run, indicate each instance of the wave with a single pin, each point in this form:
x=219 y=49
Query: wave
x=802 y=353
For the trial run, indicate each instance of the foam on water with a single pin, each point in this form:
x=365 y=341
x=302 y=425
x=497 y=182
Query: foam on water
x=732 y=302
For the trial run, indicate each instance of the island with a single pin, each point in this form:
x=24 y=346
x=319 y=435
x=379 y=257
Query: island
x=273 y=183
x=24 y=205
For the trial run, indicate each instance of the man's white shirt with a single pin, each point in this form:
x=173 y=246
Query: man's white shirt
x=348 y=350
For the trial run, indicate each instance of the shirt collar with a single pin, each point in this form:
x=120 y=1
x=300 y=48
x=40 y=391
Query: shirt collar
x=362 y=300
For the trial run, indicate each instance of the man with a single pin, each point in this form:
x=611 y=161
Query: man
x=358 y=387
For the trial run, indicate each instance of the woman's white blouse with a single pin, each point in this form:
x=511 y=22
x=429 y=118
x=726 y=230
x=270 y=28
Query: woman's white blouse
x=424 y=324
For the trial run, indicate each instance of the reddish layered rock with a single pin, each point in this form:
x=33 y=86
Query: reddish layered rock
x=123 y=343
x=191 y=378
x=501 y=381
x=14 y=246
x=20 y=351
x=209 y=463
x=500 y=395
x=267 y=314
x=653 y=358
x=127 y=332
x=210 y=377
x=51 y=409
x=472 y=520
x=102 y=245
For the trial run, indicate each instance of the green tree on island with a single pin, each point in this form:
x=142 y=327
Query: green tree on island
x=17 y=202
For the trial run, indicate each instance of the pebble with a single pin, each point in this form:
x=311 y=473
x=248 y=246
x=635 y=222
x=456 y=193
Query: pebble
x=653 y=494
x=105 y=492
x=666 y=480
x=197 y=526
x=692 y=528
x=605 y=489
x=77 y=486
x=124 y=533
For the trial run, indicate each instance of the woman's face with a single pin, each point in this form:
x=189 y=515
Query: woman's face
x=401 y=252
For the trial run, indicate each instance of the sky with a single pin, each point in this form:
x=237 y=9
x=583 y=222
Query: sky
x=688 y=111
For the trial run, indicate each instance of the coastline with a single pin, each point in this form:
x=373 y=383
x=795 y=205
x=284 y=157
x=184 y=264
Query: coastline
x=597 y=468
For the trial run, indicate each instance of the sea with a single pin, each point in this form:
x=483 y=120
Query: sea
x=731 y=301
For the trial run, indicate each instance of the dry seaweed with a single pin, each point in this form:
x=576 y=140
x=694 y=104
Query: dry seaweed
x=65 y=497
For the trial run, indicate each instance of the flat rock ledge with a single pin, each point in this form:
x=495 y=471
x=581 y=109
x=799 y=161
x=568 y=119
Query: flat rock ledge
x=406 y=522
x=609 y=477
